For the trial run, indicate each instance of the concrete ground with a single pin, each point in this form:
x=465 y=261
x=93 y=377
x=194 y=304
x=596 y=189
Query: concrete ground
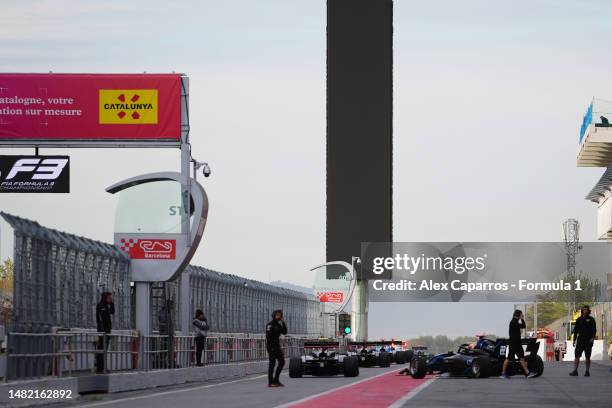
x=554 y=389
x=373 y=388
x=249 y=392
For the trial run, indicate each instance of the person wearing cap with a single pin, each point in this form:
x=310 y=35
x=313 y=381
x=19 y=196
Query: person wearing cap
x=584 y=335
x=274 y=329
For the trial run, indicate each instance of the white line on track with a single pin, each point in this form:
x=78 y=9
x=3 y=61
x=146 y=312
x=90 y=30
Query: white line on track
x=155 y=395
x=411 y=394
x=292 y=403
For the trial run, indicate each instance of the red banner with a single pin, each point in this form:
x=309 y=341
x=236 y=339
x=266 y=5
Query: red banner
x=149 y=248
x=98 y=107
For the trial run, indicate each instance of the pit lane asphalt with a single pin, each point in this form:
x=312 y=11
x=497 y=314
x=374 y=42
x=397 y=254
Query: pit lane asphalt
x=554 y=389
x=251 y=391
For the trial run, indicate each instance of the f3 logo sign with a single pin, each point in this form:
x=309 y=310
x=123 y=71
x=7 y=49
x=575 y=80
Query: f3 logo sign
x=43 y=169
x=34 y=174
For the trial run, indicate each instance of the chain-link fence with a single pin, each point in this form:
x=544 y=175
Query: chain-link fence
x=234 y=304
x=58 y=278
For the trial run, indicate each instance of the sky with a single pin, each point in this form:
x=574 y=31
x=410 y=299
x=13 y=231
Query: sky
x=488 y=100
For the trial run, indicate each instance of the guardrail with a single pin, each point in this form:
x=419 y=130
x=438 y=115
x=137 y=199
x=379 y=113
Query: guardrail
x=36 y=355
x=217 y=350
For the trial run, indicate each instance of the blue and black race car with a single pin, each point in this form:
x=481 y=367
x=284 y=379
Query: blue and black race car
x=482 y=360
x=371 y=353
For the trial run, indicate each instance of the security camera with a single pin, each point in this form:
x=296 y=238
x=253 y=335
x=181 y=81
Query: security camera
x=201 y=165
x=206 y=170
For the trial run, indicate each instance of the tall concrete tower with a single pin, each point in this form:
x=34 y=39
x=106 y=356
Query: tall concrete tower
x=359 y=125
x=359 y=135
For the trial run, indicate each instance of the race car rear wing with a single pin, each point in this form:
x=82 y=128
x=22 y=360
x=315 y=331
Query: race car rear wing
x=532 y=343
x=311 y=344
x=373 y=343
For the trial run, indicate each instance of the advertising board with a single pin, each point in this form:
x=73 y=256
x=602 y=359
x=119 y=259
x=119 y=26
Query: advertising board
x=115 y=110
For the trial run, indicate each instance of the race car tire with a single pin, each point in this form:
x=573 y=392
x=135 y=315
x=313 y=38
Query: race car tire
x=418 y=367
x=408 y=354
x=400 y=357
x=384 y=359
x=481 y=368
x=351 y=367
x=536 y=365
x=295 y=367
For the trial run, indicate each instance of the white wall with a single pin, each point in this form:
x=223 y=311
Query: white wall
x=599 y=352
x=604 y=217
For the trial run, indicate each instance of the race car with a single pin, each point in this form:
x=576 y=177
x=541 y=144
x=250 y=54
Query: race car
x=481 y=360
x=322 y=357
x=399 y=354
x=420 y=351
x=371 y=353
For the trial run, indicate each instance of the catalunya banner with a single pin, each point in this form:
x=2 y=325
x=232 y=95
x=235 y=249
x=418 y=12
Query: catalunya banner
x=47 y=108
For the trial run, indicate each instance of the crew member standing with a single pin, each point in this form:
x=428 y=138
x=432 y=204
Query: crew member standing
x=584 y=335
x=201 y=324
x=104 y=310
x=274 y=329
x=515 y=347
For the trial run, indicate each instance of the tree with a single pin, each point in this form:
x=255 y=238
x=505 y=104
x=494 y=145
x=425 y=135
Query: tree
x=554 y=305
x=7 y=269
x=548 y=312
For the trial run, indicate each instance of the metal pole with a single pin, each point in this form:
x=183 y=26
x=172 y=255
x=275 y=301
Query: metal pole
x=359 y=306
x=185 y=303
x=184 y=289
x=143 y=308
x=186 y=190
x=535 y=318
x=359 y=312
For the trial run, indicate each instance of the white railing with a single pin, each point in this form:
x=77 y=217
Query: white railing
x=35 y=355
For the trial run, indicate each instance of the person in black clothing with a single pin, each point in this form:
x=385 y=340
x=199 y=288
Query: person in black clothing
x=201 y=324
x=104 y=310
x=584 y=334
x=274 y=329
x=515 y=348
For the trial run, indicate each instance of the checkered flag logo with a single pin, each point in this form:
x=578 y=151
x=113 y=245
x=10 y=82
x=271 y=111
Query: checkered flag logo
x=127 y=244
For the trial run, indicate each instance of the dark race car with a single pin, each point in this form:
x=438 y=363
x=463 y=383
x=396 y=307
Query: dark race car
x=322 y=357
x=371 y=353
x=480 y=361
x=420 y=351
x=399 y=354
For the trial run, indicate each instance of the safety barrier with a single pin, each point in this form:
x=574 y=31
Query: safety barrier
x=59 y=278
x=217 y=350
x=66 y=353
x=62 y=353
